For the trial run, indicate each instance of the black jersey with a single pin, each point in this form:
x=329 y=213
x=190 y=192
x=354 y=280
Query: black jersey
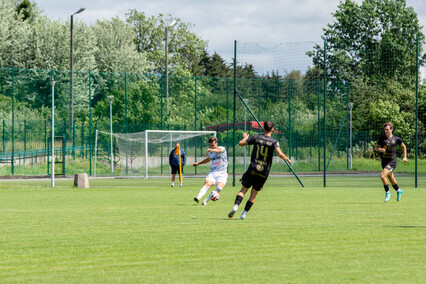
x=263 y=152
x=390 y=144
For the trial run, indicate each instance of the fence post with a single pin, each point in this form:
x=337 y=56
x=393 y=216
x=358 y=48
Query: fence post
x=195 y=121
x=90 y=123
x=417 y=111
x=325 y=111
x=4 y=134
x=25 y=139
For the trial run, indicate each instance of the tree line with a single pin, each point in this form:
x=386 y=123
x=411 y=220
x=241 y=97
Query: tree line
x=371 y=45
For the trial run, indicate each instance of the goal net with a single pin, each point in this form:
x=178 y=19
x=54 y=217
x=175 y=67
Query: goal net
x=147 y=153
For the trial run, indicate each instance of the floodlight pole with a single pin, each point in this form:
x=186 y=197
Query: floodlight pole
x=167 y=65
x=110 y=98
x=52 y=160
x=71 y=115
x=245 y=131
x=351 y=105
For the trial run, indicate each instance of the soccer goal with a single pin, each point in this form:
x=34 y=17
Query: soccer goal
x=147 y=153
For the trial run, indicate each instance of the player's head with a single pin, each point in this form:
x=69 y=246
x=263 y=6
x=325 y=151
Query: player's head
x=268 y=126
x=388 y=128
x=213 y=142
x=177 y=145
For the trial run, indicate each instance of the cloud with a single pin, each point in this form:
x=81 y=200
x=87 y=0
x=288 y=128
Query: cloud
x=220 y=22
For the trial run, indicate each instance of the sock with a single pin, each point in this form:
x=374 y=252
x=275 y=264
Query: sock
x=248 y=205
x=386 y=187
x=202 y=192
x=395 y=186
x=238 y=200
x=173 y=183
x=218 y=189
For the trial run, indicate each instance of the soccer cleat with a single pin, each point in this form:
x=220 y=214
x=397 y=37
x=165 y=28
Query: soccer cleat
x=243 y=215
x=172 y=185
x=180 y=185
x=232 y=212
x=196 y=200
x=399 y=194
x=204 y=202
x=387 y=196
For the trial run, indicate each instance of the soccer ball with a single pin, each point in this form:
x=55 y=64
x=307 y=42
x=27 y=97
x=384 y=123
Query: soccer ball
x=214 y=195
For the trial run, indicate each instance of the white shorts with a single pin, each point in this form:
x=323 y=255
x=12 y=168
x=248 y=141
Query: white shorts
x=216 y=177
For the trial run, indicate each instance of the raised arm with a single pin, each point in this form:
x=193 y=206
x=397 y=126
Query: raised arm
x=243 y=142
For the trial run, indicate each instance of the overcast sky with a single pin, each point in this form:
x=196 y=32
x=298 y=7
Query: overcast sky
x=220 y=22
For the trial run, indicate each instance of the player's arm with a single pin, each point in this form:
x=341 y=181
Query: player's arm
x=205 y=161
x=243 y=142
x=404 y=151
x=378 y=149
x=282 y=155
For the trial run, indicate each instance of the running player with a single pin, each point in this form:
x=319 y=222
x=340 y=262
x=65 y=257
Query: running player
x=260 y=165
x=218 y=173
x=387 y=146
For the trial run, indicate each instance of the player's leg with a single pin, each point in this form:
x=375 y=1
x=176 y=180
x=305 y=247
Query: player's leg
x=238 y=200
x=249 y=203
x=383 y=176
x=207 y=183
x=395 y=186
x=220 y=182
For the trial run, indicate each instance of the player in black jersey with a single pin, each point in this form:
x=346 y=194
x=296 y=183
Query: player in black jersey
x=260 y=165
x=387 y=146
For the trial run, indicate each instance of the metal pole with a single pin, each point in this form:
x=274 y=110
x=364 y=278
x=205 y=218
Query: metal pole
x=71 y=115
x=417 y=112
x=245 y=130
x=96 y=150
x=53 y=133
x=167 y=65
x=110 y=98
x=167 y=72
x=351 y=105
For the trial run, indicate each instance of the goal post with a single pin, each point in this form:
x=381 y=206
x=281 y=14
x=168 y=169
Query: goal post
x=147 y=153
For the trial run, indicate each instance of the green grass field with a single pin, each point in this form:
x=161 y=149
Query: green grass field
x=144 y=231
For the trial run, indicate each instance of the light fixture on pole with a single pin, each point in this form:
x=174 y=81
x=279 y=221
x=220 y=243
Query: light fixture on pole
x=351 y=105
x=167 y=63
x=110 y=98
x=71 y=115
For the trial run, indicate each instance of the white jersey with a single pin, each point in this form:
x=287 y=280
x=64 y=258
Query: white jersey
x=219 y=161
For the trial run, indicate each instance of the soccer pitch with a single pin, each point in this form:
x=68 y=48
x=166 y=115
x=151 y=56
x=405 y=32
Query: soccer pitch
x=144 y=231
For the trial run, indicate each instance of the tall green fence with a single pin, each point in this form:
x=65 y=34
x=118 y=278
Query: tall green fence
x=328 y=126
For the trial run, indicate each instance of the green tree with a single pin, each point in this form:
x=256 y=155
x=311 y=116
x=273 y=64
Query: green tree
x=184 y=46
x=371 y=41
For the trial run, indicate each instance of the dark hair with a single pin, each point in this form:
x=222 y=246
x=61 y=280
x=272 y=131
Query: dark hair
x=212 y=139
x=268 y=125
x=390 y=124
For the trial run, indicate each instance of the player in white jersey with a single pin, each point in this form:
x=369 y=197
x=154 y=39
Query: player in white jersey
x=218 y=172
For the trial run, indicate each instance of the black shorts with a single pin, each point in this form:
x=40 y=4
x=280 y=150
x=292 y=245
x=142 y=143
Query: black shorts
x=175 y=169
x=253 y=178
x=389 y=164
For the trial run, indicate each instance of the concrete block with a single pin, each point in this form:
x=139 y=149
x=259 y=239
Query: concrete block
x=81 y=180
